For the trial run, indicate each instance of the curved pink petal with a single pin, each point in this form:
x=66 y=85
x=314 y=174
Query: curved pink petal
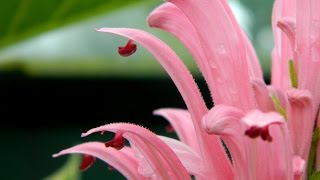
x=151 y=147
x=123 y=162
x=288 y=26
x=300 y=121
x=261 y=92
x=182 y=123
x=189 y=158
x=169 y=18
x=210 y=147
x=226 y=121
x=224 y=49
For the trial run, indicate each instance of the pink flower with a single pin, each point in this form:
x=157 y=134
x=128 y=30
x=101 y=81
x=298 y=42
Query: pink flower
x=266 y=129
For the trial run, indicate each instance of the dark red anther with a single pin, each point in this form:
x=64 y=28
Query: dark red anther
x=265 y=134
x=117 y=142
x=87 y=162
x=169 y=128
x=128 y=49
x=255 y=132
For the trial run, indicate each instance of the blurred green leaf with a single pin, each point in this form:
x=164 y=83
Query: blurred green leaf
x=20 y=19
x=69 y=171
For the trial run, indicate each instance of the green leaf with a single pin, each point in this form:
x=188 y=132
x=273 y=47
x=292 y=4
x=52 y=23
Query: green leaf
x=315 y=176
x=20 y=19
x=313 y=151
x=69 y=171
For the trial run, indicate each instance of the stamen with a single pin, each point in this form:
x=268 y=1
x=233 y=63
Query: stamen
x=169 y=128
x=128 y=49
x=87 y=162
x=117 y=142
x=255 y=132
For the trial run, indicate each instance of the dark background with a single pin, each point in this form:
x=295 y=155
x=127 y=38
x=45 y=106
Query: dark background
x=41 y=116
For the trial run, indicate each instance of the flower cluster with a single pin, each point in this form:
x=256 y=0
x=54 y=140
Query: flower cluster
x=267 y=129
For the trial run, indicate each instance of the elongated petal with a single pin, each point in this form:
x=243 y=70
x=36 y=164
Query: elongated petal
x=226 y=121
x=224 y=49
x=254 y=67
x=169 y=18
x=300 y=121
x=124 y=163
x=261 y=92
x=149 y=144
x=211 y=149
x=308 y=46
x=182 y=123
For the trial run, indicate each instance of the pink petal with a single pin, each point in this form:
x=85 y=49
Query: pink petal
x=299 y=168
x=270 y=160
x=151 y=147
x=254 y=67
x=300 y=121
x=169 y=18
x=283 y=51
x=211 y=149
x=260 y=120
x=124 y=163
x=288 y=26
x=224 y=49
x=226 y=121
x=308 y=46
x=182 y=124
x=261 y=92
x=189 y=158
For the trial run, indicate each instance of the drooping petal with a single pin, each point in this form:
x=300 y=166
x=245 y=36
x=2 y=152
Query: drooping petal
x=261 y=92
x=117 y=158
x=161 y=158
x=224 y=49
x=226 y=121
x=271 y=156
x=260 y=120
x=182 y=123
x=211 y=149
x=300 y=121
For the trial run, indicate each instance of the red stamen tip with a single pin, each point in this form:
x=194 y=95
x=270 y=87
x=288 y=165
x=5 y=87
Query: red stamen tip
x=128 y=49
x=117 y=142
x=255 y=132
x=169 y=128
x=87 y=162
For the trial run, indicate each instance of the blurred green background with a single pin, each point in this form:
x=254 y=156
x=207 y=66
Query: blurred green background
x=58 y=77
